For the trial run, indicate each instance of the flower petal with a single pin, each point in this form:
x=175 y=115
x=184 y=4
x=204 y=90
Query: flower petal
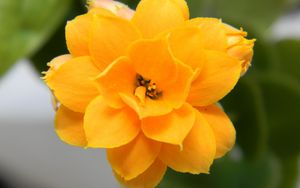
x=77 y=35
x=217 y=78
x=155 y=16
x=186 y=45
x=106 y=127
x=78 y=32
x=133 y=159
x=171 y=128
x=69 y=127
x=72 y=85
x=118 y=77
x=55 y=63
x=110 y=37
x=148 y=179
x=212 y=32
x=152 y=57
x=222 y=127
x=198 y=152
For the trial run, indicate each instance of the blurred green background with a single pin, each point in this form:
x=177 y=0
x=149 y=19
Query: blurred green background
x=264 y=106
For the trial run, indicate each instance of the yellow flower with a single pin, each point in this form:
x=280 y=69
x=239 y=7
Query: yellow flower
x=145 y=88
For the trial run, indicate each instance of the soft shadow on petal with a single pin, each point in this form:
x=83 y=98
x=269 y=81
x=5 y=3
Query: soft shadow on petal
x=155 y=16
x=69 y=127
x=198 y=151
x=133 y=159
x=72 y=84
x=148 y=179
x=217 y=78
x=107 y=127
x=119 y=77
x=171 y=128
x=222 y=127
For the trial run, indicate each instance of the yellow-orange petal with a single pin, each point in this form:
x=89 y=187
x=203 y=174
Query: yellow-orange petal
x=117 y=77
x=171 y=128
x=55 y=63
x=110 y=37
x=69 y=127
x=153 y=60
x=77 y=35
x=217 y=78
x=186 y=45
x=198 y=151
x=222 y=127
x=72 y=84
x=148 y=179
x=133 y=159
x=106 y=127
x=155 y=16
x=212 y=33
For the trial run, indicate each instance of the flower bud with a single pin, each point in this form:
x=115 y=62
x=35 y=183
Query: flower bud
x=115 y=7
x=239 y=47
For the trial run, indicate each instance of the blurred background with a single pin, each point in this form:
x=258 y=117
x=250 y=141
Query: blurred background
x=264 y=106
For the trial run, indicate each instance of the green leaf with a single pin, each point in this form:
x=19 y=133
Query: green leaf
x=281 y=95
x=228 y=172
x=25 y=25
x=245 y=107
x=288 y=54
x=289 y=170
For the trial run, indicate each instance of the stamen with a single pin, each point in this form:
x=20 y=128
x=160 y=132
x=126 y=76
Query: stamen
x=150 y=86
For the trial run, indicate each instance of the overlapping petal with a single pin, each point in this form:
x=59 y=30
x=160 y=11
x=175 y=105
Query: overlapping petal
x=110 y=37
x=69 y=127
x=198 y=151
x=222 y=127
x=133 y=159
x=171 y=128
x=72 y=84
x=106 y=127
x=155 y=16
x=217 y=78
x=148 y=179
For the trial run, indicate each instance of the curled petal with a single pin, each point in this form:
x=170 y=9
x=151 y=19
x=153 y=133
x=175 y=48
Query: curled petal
x=107 y=127
x=222 y=127
x=133 y=159
x=148 y=179
x=72 y=84
x=198 y=151
x=69 y=127
x=155 y=16
x=171 y=128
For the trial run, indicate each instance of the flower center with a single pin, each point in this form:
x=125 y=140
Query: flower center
x=150 y=89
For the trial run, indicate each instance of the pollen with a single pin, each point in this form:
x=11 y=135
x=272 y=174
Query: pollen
x=151 y=89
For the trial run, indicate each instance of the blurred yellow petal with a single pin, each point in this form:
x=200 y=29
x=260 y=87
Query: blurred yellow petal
x=155 y=16
x=198 y=151
x=212 y=33
x=72 y=84
x=148 y=179
x=107 y=127
x=222 y=127
x=119 y=77
x=110 y=37
x=217 y=78
x=171 y=128
x=77 y=35
x=133 y=159
x=69 y=127
x=55 y=63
